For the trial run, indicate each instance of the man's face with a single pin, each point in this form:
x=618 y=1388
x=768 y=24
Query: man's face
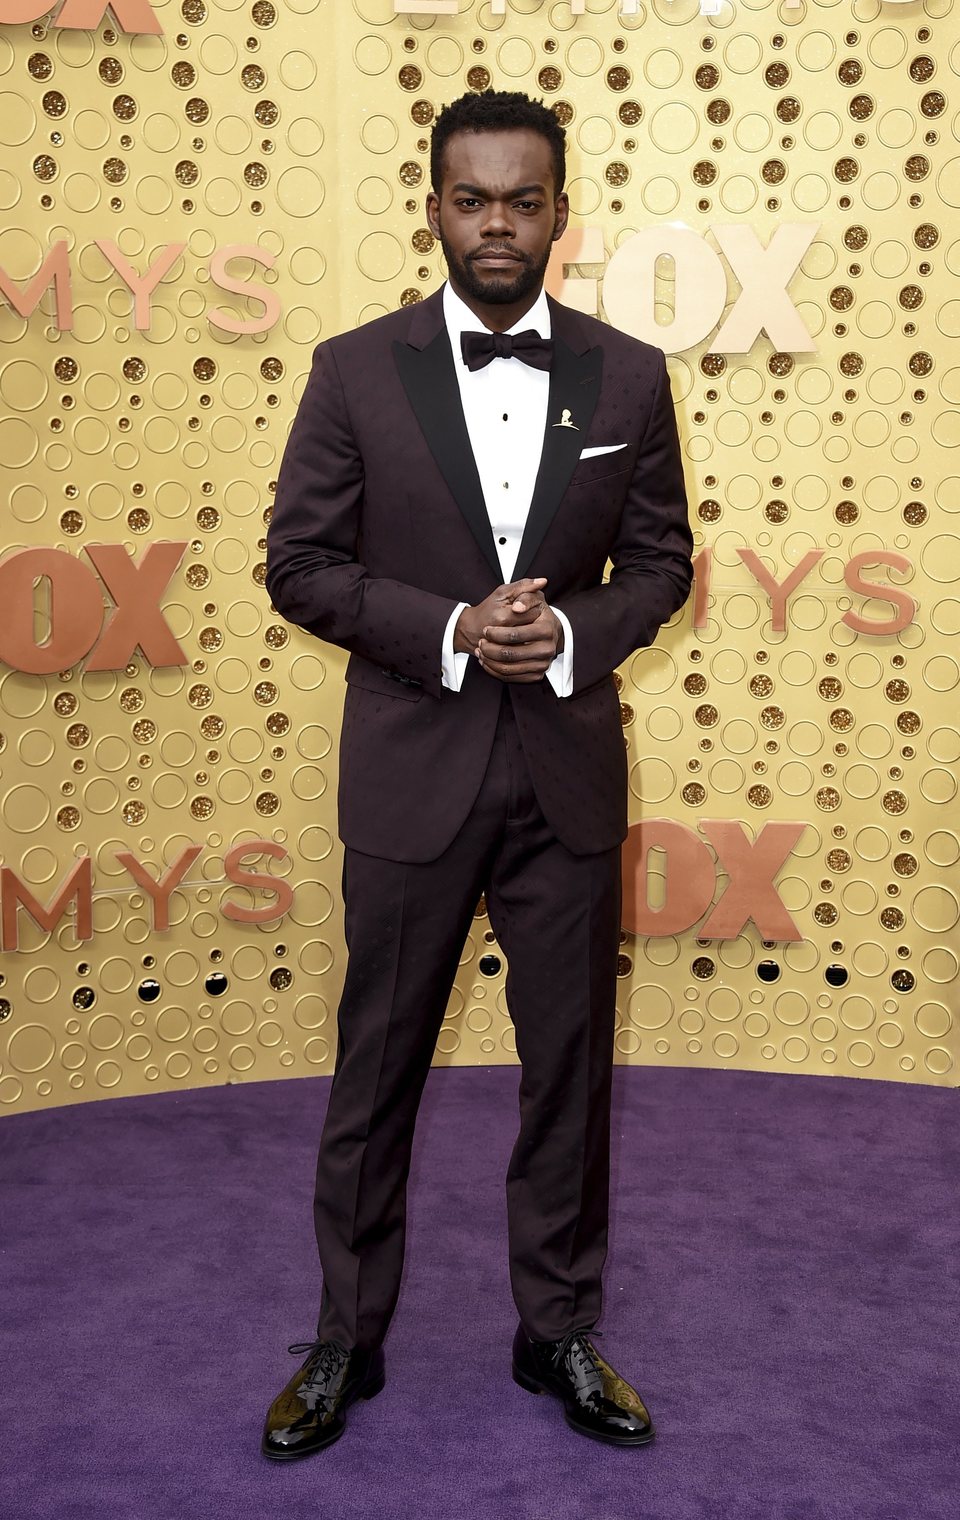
x=496 y=214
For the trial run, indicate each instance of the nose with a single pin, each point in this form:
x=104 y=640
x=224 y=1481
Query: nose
x=497 y=221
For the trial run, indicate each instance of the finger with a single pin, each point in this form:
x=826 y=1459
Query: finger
x=513 y=633
x=515 y=659
x=528 y=604
x=530 y=583
x=524 y=673
x=506 y=617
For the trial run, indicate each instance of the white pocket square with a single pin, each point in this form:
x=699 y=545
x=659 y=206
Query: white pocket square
x=605 y=448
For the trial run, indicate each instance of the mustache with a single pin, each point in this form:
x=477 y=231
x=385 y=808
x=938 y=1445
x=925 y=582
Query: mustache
x=482 y=253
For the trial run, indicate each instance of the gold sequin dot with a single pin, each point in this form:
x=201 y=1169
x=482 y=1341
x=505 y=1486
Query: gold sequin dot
x=850 y=71
x=841 y=719
x=894 y=802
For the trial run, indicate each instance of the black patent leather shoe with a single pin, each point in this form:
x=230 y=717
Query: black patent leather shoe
x=596 y=1400
x=310 y=1413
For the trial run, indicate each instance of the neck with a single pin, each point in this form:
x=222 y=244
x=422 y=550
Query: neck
x=497 y=318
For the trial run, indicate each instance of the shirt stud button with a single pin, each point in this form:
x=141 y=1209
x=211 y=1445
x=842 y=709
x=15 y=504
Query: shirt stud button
x=502 y=540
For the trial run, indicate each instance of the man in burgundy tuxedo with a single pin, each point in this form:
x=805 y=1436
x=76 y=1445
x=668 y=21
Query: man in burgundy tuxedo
x=457 y=477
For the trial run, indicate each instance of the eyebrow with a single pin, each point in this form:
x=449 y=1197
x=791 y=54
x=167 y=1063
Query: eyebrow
x=522 y=190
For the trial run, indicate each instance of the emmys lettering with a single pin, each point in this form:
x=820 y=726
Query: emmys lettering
x=77 y=887
x=55 y=270
x=779 y=591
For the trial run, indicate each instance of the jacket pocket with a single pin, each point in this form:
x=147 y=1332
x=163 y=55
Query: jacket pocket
x=600 y=467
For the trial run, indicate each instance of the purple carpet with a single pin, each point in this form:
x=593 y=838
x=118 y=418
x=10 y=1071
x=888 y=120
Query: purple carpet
x=781 y=1287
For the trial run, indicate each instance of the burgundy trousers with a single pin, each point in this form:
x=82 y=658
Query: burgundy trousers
x=557 y=918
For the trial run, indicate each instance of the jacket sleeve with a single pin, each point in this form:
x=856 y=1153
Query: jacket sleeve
x=652 y=570
x=314 y=576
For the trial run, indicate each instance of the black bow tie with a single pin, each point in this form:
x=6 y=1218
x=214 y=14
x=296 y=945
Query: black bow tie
x=478 y=348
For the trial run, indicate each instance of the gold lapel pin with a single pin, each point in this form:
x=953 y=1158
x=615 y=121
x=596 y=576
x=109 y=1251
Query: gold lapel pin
x=565 y=420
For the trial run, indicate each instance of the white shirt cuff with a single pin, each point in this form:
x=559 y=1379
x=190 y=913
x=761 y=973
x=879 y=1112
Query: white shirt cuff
x=560 y=670
x=453 y=664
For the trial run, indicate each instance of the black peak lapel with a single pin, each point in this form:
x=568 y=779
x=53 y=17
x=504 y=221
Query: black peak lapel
x=430 y=382
x=574 y=391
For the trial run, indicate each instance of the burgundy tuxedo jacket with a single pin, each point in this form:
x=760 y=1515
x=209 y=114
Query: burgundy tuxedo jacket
x=379 y=529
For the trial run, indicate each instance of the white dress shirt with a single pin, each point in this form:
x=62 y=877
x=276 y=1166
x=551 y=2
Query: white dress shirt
x=505 y=409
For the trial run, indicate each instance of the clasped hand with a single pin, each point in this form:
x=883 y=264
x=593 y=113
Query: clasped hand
x=513 y=633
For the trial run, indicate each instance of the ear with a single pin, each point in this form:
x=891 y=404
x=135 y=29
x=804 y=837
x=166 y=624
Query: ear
x=562 y=210
x=432 y=208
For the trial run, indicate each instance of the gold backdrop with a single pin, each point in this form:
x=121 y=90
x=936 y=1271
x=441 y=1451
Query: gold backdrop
x=299 y=133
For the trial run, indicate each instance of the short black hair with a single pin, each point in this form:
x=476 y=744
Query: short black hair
x=497 y=111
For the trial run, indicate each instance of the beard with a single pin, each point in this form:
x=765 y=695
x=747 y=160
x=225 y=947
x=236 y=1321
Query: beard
x=504 y=290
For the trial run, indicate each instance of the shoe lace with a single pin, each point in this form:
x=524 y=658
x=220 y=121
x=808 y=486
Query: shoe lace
x=581 y=1353
x=329 y=1359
